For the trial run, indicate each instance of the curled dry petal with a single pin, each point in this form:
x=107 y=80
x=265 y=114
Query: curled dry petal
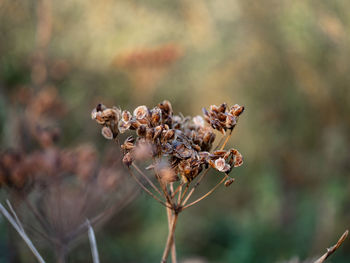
x=107 y=133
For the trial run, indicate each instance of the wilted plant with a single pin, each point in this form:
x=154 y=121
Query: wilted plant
x=56 y=190
x=178 y=151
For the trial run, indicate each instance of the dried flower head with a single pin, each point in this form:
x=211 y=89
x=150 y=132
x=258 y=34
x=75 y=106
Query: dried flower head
x=222 y=119
x=178 y=147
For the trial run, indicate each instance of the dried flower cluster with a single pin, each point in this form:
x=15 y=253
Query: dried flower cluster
x=185 y=141
x=179 y=148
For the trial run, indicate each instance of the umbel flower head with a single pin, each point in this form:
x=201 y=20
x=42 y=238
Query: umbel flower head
x=179 y=149
x=184 y=141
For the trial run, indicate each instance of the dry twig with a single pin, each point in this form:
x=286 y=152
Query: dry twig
x=332 y=249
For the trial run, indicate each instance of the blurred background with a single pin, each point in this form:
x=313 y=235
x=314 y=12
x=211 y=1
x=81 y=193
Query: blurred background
x=287 y=61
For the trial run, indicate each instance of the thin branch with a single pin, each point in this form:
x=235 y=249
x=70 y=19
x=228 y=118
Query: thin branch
x=207 y=194
x=146 y=177
x=179 y=195
x=37 y=215
x=195 y=186
x=148 y=191
x=93 y=243
x=21 y=233
x=14 y=215
x=332 y=249
x=217 y=146
x=184 y=193
x=177 y=190
x=226 y=140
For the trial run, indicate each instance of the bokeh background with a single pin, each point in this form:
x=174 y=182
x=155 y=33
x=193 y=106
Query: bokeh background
x=288 y=62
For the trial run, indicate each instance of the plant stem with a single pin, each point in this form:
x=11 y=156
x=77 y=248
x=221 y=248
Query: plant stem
x=61 y=254
x=173 y=247
x=226 y=140
x=170 y=239
x=207 y=194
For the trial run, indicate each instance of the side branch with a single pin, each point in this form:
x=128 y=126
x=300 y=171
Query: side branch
x=146 y=190
x=332 y=249
x=207 y=194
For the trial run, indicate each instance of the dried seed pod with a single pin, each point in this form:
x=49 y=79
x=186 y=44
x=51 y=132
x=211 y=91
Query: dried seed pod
x=221 y=165
x=149 y=133
x=222 y=107
x=135 y=124
x=230 y=122
x=238 y=159
x=141 y=112
x=141 y=130
x=182 y=152
x=97 y=115
x=168 y=135
x=228 y=182
x=128 y=159
x=107 y=133
x=157 y=132
x=166 y=107
x=128 y=143
x=126 y=116
x=156 y=116
x=111 y=114
x=236 y=110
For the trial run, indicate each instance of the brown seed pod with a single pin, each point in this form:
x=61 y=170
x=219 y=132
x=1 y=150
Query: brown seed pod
x=157 y=132
x=126 y=116
x=107 y=133
x=149 y=133
x=141 y=131
x=128 y=143
x=166 y=107
x=168 y=135
x=156 y=116
x=228 y=182
x=221 y=165
x=141 y=112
